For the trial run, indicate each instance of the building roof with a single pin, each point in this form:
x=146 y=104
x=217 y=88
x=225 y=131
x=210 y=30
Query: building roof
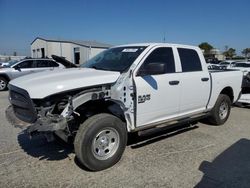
x=92 y=44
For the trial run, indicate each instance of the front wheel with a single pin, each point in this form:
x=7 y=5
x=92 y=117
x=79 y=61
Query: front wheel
x=3 y=84
x=100 y=141
x=220 y=111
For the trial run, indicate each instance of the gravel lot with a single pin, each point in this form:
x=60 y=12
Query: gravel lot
x=203 y=156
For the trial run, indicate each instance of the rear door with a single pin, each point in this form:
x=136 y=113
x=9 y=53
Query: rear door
x=195 y=83
x=157 y=95
x=42 y=65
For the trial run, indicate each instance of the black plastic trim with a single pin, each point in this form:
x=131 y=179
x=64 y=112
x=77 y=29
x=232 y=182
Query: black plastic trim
x=22 y=104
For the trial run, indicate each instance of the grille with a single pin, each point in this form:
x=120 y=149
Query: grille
x=22 y=105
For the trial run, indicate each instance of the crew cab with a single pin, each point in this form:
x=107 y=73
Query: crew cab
x=124 y=89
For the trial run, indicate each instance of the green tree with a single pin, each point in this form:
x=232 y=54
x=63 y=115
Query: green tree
x=246 y=52
x=230 y=53
x=206 y=47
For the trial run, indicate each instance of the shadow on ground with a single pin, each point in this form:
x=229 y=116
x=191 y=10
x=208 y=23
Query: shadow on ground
x=39 y=147
x=242 y=105
x=57 y=150
x=230 y=169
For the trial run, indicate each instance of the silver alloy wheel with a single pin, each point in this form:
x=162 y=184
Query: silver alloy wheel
x=2 y=84
x=223 y=110
x=105 y=144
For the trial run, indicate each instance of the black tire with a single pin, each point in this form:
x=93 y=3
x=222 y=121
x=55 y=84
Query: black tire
x=3 y=84
x=221 y=111
x=90 y=137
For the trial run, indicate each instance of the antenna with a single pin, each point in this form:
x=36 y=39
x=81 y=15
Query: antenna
x=164 y=37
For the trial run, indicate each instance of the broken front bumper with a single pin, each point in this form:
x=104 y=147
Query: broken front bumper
x=11 y=117
x=50 y=123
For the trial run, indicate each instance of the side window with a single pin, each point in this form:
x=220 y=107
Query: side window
x=25 y=64
x=44 y=63
x=164 y=56
x=41 y=64
x=53 y=64
x=190 y=60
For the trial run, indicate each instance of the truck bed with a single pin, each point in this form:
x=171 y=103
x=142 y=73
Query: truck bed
x=225 y=79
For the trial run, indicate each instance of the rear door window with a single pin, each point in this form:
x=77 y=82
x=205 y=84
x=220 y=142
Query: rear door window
x=42 y=63
x=190 y=60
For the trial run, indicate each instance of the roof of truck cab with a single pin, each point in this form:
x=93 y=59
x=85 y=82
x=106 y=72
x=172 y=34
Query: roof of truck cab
x=158 y=44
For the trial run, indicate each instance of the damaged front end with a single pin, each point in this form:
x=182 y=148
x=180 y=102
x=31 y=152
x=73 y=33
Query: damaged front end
x=39 y=115
x=53 y=114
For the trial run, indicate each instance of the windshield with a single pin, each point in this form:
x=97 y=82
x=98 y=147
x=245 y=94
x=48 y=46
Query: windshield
x=10 y=63
x=115 y=59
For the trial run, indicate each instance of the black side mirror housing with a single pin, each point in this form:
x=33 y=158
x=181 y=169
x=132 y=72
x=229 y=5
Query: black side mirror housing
x=152 y=69
x=17 y=68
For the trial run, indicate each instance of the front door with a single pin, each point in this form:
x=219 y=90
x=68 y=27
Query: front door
x=157 y=94
x=23 y=68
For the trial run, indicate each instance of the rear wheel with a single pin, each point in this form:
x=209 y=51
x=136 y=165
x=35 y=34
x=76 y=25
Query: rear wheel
x=221 y=110
x=100 y=141
x=3 y=84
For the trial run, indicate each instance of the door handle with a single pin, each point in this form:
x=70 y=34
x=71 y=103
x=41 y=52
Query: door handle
x=174 y=82
x=204 y=79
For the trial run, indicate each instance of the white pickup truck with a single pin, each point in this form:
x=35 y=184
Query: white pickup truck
x=123 y=89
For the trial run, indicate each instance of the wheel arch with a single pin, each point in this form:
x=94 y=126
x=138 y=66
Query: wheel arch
x=229 y=92
x=5 y=76
x=93 y=107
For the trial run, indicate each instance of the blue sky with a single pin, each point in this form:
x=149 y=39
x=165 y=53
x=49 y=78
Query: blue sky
x=221 y=22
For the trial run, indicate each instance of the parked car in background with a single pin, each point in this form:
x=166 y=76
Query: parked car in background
x=243 y=66
x=4 y=64
x=64 y=61
x=16 y=69
x=212 y=61
x=1 y=62
x=227 y=64
x=213 y=66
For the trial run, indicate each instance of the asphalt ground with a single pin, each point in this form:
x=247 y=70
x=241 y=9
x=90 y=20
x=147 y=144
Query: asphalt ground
x=200 y=156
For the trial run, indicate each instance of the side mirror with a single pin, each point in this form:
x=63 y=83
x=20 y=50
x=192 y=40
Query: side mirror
x=152 y=69
x=17 y=67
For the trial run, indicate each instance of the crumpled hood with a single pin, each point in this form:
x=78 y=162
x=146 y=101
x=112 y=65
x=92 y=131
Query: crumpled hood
x=46 y=83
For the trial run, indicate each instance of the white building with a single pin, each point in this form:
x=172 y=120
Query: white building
x=217 y=54
x=75 y=51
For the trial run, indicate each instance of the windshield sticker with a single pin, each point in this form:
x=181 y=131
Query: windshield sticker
x=130 y=50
